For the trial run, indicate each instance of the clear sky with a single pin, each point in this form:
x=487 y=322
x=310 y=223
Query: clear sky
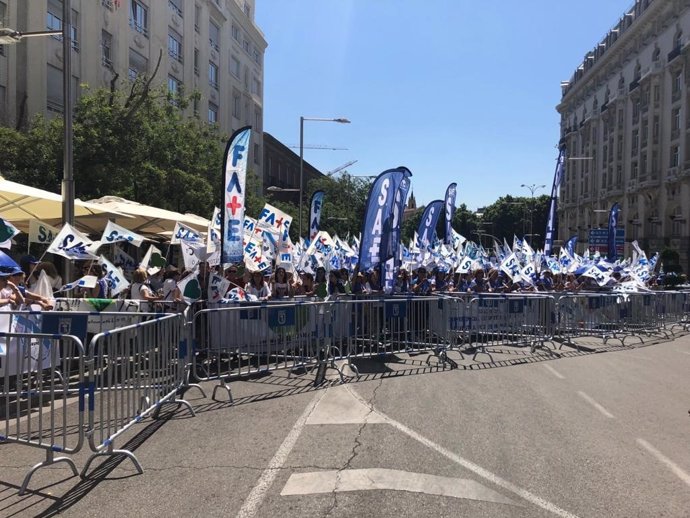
x=456 y=90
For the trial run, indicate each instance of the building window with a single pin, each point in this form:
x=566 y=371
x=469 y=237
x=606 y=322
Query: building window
x=212 y=113
x=677 y=83
x=214 y=36
x=257 y=154
x=195 y=104
x=675 y=119
x=213 y=75
x=675 y=156
x=138 y=65
x=256 y=86
x=196 y=62
x=634 y=170
x=257 y=119
x=174 y=88
x=176 y=7
x=235 y=33
x=197 y=17
x=54 y=93
x=643 y=167
x=635 y=141
x=107 y=49
x=175 y=46
x=245 y=46
x=236 y=105
x=235 y=66
x=656 y=54
x=139 y=17
x=247 y=10
x=54 y=22
x=3 y=100
x=257 y=57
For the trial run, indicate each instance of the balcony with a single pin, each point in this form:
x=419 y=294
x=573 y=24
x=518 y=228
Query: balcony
x=672 y=173
x=633 y=85
x=674 y=54
x=107 y=62
x=604 y=107
x=647 y=182
x=632 y=184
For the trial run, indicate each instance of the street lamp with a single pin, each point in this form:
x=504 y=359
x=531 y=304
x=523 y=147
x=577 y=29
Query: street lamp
x=9 y=36
x=301 y=157
x=275 y=188
x=532 y=189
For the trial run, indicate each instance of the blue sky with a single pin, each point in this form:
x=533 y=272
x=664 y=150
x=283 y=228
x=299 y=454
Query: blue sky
x=455 y=90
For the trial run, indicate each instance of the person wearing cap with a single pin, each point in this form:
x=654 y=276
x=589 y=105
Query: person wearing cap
x=15 y=279
x=27 y=264
x=9 y=292
x=421 y=284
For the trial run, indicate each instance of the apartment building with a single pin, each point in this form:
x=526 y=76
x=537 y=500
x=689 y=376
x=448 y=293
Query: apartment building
x=210 y=46
x=626 y=124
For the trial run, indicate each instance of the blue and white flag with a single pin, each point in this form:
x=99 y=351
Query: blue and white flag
x=184 y=233
x=213 y=232
x=613 y=223
x=40 y=232
x=392 y=257
x=234 y=178
x=127 y=261
x=115 y=278
x=570 y=245
x=449 y=205
x=217 y=287
x=275 y=221
x=427 y=225
x=87 y=281
x=377 y=218
x=115 y=233
x=71 y=244
x=551 y=222
x=315 y=213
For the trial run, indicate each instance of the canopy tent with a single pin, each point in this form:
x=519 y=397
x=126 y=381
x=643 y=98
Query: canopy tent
x=19 y=204
x=149 y=220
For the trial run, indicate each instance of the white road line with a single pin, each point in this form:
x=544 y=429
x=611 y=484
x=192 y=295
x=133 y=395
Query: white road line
x=595 y=404
x=677 y=470
x=684 y=352
x=475 y=468
x=258 y=493
x=554 y=372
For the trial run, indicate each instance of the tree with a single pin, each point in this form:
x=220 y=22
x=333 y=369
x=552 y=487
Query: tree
x=135 y=144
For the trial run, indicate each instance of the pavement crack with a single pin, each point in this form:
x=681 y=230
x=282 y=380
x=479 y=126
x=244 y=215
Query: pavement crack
x=353 y=454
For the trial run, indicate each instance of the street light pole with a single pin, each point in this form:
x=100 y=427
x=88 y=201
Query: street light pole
x=532 y=189
x=68 y=155
x=301 y=157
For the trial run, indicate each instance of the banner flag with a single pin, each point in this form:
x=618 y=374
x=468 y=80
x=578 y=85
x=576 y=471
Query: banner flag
x=114 y=233
x=184 y=233
x=274 y=220
x=87 y=281
x=192 y=254
x=427 y=225
x=315 y=213
x=190 y=287
x=71 y=244
x=376 y=224
x=234 y=178
x=613 y=223
x=511 y=266
x=570 y=246
x=551 y=222
x=213 y=232
x=116 y=279
x=449 y=205
x=121 y=257
x=392 y=257
x=153 y=261
x=217 y=287
x=42 y=233
x=7 y=232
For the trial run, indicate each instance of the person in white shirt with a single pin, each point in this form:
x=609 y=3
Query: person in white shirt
x=257 y=286
x=140 y=290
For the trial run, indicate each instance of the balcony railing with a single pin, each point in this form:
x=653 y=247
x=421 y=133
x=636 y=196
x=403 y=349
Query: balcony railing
x=139 y=27
x=674 y=53
x=174 y=8
x=634 y=85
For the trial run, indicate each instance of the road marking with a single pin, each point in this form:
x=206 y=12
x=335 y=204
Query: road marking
x=339 y=406
x=595 y=404
x=389 y=479
x=677 y=470
x=258 y=493
x=475 y=468
x=554 y=371
x=684 y=352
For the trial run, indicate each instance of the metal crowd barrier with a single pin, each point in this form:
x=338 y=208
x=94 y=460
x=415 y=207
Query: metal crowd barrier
x=36 y=394
x=132 y=372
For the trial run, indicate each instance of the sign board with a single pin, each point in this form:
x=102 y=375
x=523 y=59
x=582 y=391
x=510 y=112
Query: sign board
x=599 y=240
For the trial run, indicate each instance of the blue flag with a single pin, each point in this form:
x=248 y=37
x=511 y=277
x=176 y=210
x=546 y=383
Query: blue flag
x=450 y=210
x=613 y=223
x=570 y=246
x=315 y=214
x=234 y=176
x=551 y=222
x=377 y=219
x=427 y=226
x=392 y=262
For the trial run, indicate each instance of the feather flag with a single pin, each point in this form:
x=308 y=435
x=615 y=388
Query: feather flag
x=613 y=224
x=316 y=206
x=427 y=225
x=234 y=179
x=551 y=222
x=449 y=205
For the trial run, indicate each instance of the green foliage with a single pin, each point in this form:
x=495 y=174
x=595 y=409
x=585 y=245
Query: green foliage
x=344 y=204
x=138 y=145
x=510 y=215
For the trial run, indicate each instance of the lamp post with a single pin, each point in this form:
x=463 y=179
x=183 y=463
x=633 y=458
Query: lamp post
x=301 y=157
x=532 y=189
x=9 y=36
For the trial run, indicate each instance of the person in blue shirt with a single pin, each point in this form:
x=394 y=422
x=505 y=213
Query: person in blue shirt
x=421 y=285
x=478 y=284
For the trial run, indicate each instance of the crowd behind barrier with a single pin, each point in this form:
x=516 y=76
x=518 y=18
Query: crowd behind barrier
x=120 y=360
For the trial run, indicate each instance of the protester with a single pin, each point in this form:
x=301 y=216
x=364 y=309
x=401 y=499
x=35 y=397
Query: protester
x=421 y=284
x=15 y=279
x=281 y=287
x=258 y=287
x=141 y=290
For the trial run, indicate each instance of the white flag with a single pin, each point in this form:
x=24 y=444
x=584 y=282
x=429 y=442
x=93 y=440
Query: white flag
x=153 y=261
x=184 y=233
x=114 y=233
x=121 y=257
x=40 y=232
x=7 y=232
x=116 y=279
x=88 y=281
x=190 y=287
x=71 y=244
x=192 y=254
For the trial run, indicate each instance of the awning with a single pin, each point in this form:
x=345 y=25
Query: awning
x=147 y=219
x=19 y=204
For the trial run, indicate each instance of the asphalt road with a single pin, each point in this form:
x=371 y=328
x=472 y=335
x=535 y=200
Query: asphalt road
x=587 y=435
